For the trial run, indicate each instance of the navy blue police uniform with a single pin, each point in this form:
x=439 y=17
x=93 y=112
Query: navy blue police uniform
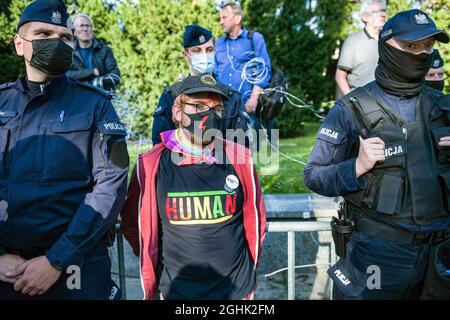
x=195 y=35
x=395 y=243
x=63 y=176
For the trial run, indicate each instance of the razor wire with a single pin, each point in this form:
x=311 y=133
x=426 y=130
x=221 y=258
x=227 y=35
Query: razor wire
x=129 y=110
x=300 y=104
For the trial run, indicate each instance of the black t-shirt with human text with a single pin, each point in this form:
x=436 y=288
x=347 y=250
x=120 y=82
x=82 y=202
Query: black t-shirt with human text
x=203 y=252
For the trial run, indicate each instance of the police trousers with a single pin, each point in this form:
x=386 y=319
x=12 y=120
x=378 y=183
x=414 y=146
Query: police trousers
x=379 y=269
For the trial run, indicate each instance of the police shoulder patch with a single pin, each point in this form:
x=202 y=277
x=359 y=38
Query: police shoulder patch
x=89 y=86
x=330 y=135
x=114 y=127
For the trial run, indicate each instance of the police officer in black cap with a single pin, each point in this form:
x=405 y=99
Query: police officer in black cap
x=63 y=173
x=385 y=148
x=435 y=76
x=199 y=53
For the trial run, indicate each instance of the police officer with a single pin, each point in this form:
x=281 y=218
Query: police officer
x=435 y=76
x=198 y=52
x=384 y=147
x=63 y=170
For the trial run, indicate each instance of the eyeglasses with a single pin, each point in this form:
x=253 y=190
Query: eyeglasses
x=219 y=110
x=82 y=26
x=379 y=11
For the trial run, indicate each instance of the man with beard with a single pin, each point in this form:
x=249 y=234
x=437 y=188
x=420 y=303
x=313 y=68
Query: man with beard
x=384 y=147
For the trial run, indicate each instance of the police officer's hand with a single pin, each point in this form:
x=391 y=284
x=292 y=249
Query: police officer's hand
x=445 y=142
x=370 y=152
x=38 y=275
x=9 y=262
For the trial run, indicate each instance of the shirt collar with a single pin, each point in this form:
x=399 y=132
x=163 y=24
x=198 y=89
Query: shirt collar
x=368 y=35
x=394 y=96
x=51 y=86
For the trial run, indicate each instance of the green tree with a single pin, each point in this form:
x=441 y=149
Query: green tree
x=10 y=65
x=146 y=38
x=439 y=10
x=302 y=36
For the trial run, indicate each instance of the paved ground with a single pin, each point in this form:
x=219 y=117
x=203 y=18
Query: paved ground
x=273 y=288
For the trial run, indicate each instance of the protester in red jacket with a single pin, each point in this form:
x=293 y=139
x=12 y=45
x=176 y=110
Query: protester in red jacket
x=194 y=213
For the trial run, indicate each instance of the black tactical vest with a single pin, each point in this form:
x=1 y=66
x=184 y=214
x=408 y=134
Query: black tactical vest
x=413 y=184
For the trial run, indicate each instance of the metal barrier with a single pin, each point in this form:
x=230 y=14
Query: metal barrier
x=290 y=227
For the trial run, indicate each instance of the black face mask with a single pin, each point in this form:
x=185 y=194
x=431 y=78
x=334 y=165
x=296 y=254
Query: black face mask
x=202 y=121
x=400 y=72
x=51 y=56
x=438 y=84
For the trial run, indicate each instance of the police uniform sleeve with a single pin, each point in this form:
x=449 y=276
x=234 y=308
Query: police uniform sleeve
x=99 y=209
x=162 y=118
x=330 y=170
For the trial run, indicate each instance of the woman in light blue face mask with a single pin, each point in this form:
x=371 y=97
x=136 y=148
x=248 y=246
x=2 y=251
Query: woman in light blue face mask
x=200 y=58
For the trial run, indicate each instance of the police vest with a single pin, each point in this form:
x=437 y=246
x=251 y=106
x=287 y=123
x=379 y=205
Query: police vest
x=412 y=184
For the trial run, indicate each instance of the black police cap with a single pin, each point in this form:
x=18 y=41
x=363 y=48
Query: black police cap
x=47 y=11
x=436 y=61
x=195 y=35
x=204 y=83
x=412 y=25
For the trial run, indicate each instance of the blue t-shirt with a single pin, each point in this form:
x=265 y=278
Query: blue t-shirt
x=87 y=56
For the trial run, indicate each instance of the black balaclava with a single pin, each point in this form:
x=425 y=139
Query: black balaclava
x=400 y=72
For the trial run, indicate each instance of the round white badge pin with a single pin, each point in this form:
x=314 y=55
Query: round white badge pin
x=231 y=183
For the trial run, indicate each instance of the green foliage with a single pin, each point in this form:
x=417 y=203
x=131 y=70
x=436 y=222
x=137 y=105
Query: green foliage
x=147 y=42
x=398 y=5
x=302 y=36
x=10 y=65
x=439 y=10
x=289 y=178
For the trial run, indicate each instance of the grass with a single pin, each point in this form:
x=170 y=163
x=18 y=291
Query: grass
x=288 y=177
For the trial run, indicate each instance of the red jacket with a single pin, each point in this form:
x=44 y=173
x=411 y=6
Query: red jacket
x=140 y=213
